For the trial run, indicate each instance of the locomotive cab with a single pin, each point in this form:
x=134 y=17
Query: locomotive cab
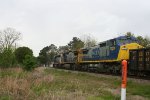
x=126 y=43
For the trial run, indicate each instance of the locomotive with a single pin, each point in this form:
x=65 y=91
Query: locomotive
x=104 y=57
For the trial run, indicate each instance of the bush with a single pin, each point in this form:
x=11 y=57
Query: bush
x=7 y=58
x=21 y=52
x=29 y=63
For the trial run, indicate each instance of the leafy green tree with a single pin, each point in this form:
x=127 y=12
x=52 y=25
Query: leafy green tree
x=76 y=44
x=43 y=55
x=51 y=56
x=147 y=42
x=21 y=52
x=7 y=58
x=142 y=41
x=129 y=34
x=47 y=54
x=29 y=63
x=63 y=48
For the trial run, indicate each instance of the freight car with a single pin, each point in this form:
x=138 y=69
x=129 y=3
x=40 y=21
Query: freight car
x=104 y=57
x=139 y=62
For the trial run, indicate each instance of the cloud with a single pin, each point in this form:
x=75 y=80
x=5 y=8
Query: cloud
x=43 y=22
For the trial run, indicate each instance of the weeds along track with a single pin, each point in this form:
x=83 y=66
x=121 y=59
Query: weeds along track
x=104 y=73
x=46 y=83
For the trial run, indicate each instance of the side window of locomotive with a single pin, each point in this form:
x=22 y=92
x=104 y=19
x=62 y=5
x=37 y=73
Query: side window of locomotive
x=103 y=51
x=85 y=51
x=103 y=45
x=112 y=43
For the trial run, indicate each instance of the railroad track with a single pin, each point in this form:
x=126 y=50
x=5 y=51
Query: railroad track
x=104 y=73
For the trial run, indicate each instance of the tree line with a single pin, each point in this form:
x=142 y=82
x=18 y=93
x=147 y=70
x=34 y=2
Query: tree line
x=10 y=55
x=13 y=56
x=47 y=54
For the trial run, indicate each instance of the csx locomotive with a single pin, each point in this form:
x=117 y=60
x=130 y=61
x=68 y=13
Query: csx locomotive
x=104 y=57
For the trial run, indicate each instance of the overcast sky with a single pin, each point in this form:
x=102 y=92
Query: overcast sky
x=43 y=22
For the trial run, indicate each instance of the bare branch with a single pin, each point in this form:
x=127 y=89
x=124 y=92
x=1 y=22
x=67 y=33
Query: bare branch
x=8 y=38
x=88 y=40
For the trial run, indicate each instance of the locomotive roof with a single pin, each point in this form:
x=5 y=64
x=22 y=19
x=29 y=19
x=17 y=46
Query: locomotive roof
x=119 y=37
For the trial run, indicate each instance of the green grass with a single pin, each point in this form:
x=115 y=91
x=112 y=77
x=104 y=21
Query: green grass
x=58 y=84
x=138 y=89
x=5 y=97
x=96 y=86
x=134 y=88
x=9 y=73
x=92 y=86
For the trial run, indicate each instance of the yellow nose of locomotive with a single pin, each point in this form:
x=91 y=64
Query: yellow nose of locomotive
x=124 y=50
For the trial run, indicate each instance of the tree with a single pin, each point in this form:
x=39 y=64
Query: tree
x=63 y=48
x=47 y=54
x=51 y=56
x=29 y=63
x=8 y=38
x=76 y=44
x=89 y=40
x=51 y=53
x=43 y=55
x=147 y=42
x=21 y=52
x=129 y=34
x=7 y=58
x=142 y=41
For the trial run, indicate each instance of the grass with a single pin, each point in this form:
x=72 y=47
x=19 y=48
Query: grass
x=12 y=72
x=56 y=84
x=138 y=89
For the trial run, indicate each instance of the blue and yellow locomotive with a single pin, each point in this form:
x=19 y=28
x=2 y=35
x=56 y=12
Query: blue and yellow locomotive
x=104 y=57
x=113 y=50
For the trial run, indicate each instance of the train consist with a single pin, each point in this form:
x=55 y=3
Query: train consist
x=107 y=56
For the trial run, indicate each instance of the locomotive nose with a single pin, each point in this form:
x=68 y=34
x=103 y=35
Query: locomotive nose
x=124 y=48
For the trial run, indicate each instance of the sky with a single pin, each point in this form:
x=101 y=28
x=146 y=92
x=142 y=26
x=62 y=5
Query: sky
x=45 y=22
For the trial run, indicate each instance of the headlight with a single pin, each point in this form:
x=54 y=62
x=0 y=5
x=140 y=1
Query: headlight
x=124 y=48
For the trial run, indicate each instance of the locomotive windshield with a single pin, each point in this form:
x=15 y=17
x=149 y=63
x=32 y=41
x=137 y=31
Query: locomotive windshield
x=126 y=39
